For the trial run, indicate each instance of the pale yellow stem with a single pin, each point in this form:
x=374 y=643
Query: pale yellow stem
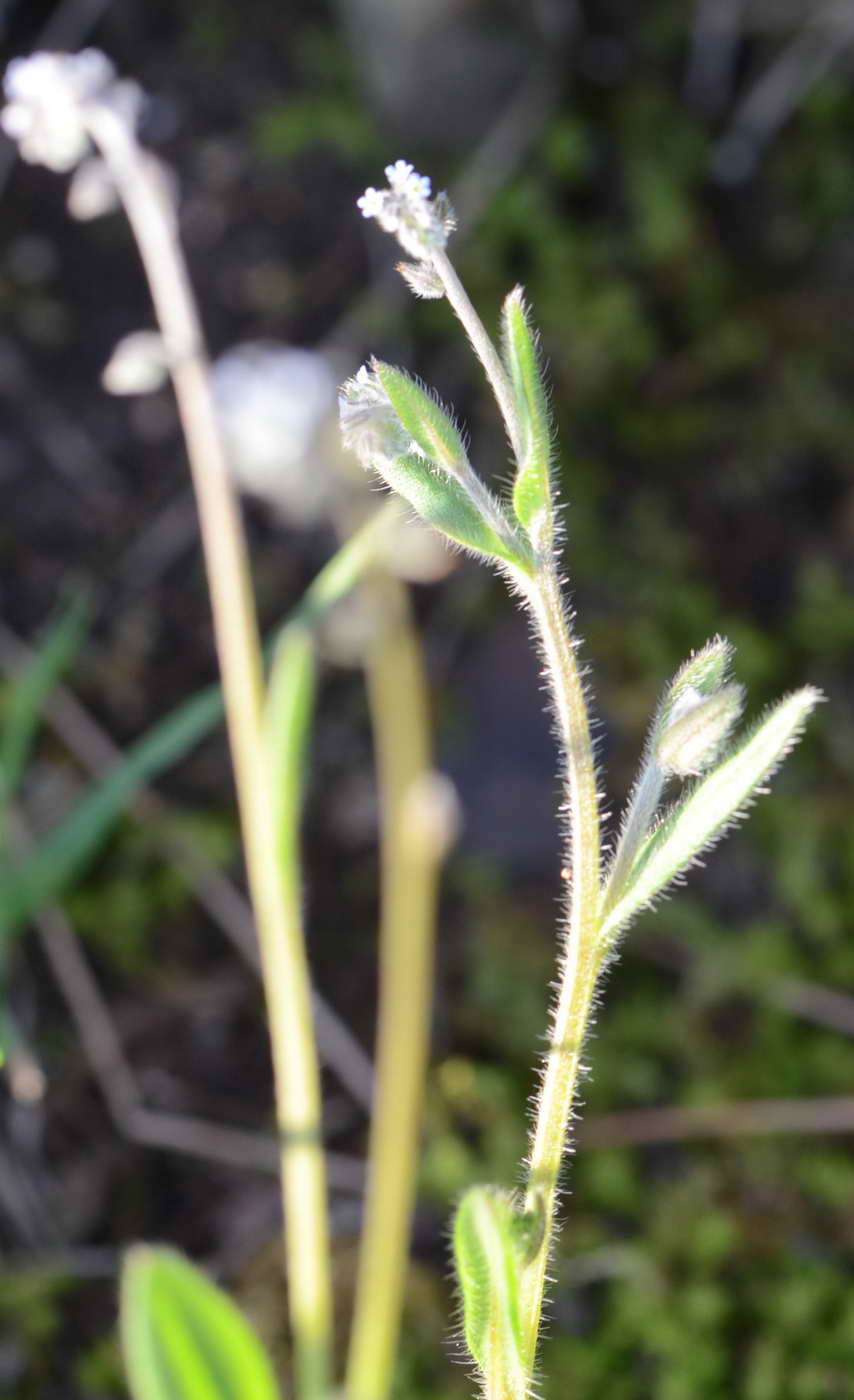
x=275 y=900
x=411 y=847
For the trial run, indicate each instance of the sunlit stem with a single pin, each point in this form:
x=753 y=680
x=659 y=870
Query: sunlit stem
x=580 y=962
x=275 y=901
x=482 y=345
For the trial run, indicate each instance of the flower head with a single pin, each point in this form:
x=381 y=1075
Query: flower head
x=46 y=99
x=407 y=210
x=369 y=424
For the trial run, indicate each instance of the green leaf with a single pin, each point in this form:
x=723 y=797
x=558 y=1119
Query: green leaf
x=446 y=504
x=701 y=817
x=424 y=418
x=32 y=687
x=183 y=1338
x=532 y=488
x=493 y=1241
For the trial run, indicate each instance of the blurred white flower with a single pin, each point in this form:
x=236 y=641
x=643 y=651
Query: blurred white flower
x=419 y=223
x=45 y=94
x=46 y=99
x=138 y=365
x=276 y=405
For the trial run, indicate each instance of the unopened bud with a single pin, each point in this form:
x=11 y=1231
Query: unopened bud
x=696 y=729
x=422 y=279
x=138 y=365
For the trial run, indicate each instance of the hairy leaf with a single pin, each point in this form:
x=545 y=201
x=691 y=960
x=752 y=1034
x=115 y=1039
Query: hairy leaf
x=701 y=817
x=446 y=504
x=532 y=488
x=492 y=1243
x=424 y=418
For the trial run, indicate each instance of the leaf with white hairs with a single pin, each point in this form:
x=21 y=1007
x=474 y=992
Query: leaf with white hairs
x=702 y=816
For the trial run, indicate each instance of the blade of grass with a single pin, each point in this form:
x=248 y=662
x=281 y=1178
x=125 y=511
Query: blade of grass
x=31 y=688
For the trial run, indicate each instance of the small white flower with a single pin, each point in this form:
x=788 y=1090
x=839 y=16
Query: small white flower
x=370 y=203
x=47 y=96
x=419 y=223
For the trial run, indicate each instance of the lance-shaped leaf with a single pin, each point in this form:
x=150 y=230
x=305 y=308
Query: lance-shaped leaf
x=388 y=426
x=701 y=817
x=446 y=504
x=425 y=419
x=493 y=1241
x=532 y=488
x=183 y=1338
x=32 y=686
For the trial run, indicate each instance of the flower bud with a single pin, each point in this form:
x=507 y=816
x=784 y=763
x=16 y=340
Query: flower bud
x=138 y=365
x=696 y=728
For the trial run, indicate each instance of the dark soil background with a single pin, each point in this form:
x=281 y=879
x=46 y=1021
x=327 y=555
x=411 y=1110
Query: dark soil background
x=674 y=185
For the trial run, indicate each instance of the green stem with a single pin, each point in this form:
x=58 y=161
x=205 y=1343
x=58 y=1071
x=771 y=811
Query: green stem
x=411 y=847
x=580 y=962
x=482 y=346
x=275 y=903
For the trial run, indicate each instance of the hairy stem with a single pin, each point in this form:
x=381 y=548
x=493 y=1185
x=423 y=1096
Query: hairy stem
x=275 y=899
x=580 y=958
x=483 y=347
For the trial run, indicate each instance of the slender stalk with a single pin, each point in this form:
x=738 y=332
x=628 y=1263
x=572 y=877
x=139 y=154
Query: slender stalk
x=580 y=962
x=275 y=901
x=482 y=346
x=410 y=852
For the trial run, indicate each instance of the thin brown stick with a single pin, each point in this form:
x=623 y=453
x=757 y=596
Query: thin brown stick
x=758 y=1117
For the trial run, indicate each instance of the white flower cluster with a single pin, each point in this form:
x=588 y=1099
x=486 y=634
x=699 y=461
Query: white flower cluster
x=405 y=208
x=47 y=96
x=369 y=425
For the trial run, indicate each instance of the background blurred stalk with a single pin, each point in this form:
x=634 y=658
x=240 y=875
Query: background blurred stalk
x=275 y=900
x=411 y=848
